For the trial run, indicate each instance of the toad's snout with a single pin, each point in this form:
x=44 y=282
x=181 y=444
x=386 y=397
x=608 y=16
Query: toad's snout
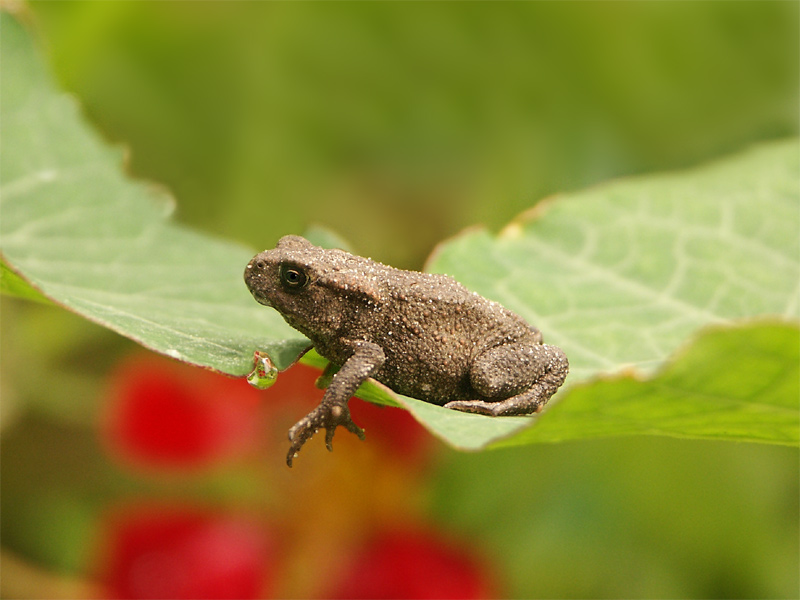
x=252 y=271
x=255 y=277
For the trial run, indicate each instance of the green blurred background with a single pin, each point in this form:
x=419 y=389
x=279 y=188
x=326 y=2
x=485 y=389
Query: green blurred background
x=397 y=125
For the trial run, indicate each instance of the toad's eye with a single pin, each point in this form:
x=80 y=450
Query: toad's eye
x=293 y=278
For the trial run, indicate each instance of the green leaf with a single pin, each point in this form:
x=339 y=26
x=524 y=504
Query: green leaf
x=101 y=245
x=14 y=285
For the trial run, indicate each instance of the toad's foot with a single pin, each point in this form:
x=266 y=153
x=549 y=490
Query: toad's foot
x=329 y=416
x=546 y=364
x=526 y=403
x=492 y=409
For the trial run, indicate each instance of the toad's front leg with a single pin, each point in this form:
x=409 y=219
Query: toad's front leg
x=332 y=411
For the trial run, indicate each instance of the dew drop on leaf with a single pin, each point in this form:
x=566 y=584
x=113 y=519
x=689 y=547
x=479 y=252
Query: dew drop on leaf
x=264 y=373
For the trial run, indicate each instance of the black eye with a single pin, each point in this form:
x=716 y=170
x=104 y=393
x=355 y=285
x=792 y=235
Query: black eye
x=293 y=278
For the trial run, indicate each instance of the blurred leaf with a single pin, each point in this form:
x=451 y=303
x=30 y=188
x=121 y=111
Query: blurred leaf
x=23 y=579
x=619 y=276
x=101 y=245
x=700 y=519
x=431 y=117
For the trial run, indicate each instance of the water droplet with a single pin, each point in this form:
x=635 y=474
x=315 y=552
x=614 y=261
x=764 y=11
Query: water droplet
x=264 y=373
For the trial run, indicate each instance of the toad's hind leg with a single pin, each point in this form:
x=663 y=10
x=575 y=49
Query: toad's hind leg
x=515 y=379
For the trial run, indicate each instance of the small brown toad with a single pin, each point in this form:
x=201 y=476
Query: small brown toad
x=422 y=335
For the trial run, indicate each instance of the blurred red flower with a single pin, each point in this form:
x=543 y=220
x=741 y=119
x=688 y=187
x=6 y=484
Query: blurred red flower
x=412 y=563
x=164 y=414
x=159 y=552
x=161 y=413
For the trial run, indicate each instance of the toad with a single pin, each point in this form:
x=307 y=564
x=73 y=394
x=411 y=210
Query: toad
x=423 y=335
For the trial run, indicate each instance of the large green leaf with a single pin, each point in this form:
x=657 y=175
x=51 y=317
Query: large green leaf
x=620 y=276
x=101 y=245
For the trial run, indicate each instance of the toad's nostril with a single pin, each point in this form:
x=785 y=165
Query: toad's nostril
x=253 y=270
x=256 y=265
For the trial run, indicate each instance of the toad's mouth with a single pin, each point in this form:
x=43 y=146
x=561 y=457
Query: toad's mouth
x=261 y=299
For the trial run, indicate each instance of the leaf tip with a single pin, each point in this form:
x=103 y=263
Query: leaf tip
x=516 y=227
x=439 y=248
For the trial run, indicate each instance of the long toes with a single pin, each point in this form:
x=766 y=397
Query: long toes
x=329 y=437
x=353 y=428
x=299 y=431
x=299 y=434
x=340 y=415
x=329 y=418
x=473 y=406
x=294 y=449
